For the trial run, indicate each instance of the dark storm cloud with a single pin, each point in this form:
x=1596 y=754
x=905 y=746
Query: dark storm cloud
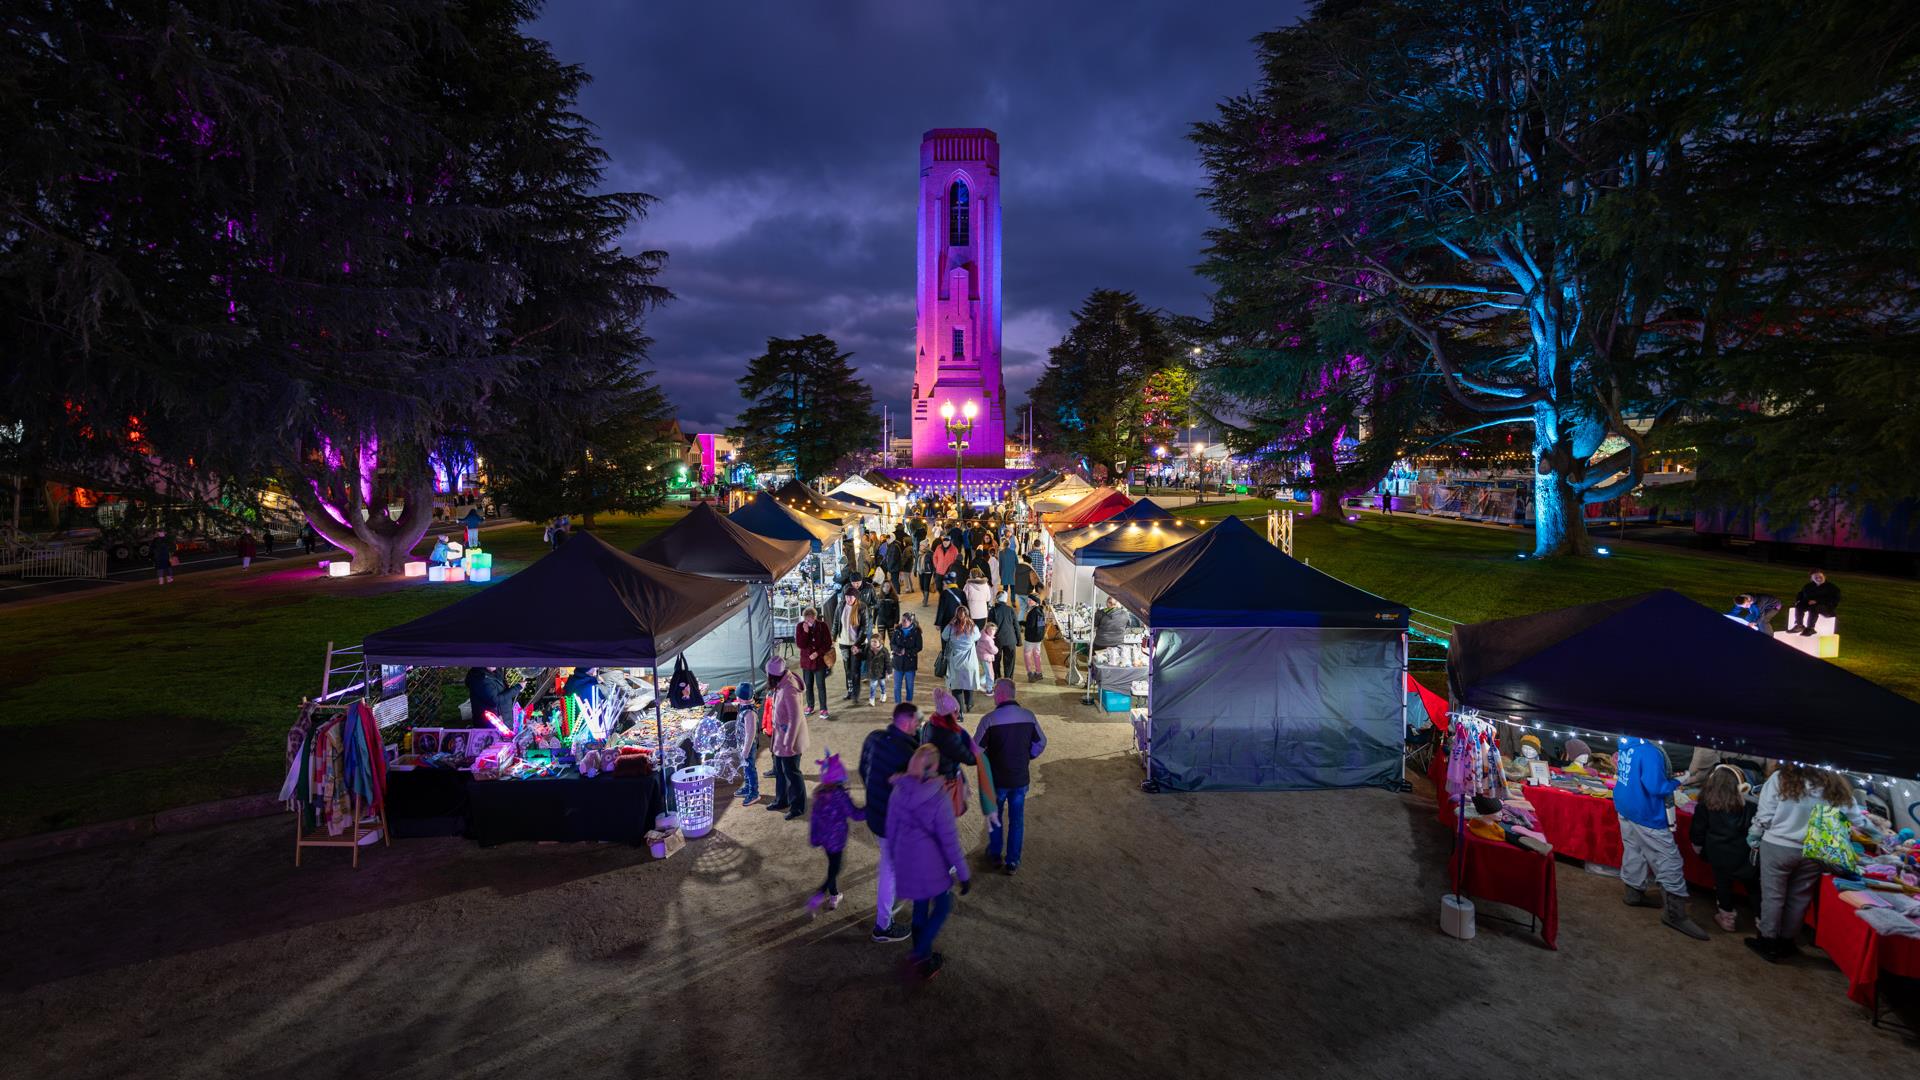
x=783 y=142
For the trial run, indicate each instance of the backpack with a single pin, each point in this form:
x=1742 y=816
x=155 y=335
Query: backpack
x=1036 y=624
x=683 y=692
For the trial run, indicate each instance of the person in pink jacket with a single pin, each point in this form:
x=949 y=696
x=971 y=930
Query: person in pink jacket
x=789 y=741
x=924 y=848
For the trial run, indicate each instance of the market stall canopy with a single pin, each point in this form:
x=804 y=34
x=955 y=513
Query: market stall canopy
x=859 y=489
x=1229 y=576
x=1706 y=681
x=1140 y=529
x=588 y=603
x=1099 y=505
x=764 y=515
x=798 y=496
x=858 y=503
x=705 y=542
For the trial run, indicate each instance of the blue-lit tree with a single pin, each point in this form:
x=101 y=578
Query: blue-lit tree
x=1443 y=165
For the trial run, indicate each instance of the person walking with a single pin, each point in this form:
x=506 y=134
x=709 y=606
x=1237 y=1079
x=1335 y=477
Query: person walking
x=905 y=644
x=1011 y=738
x=946 y=735
x=952 y=602
x=789 y=741
x=246 y=547
x=886 y=607
x=161 y=547
x=1035 y=632
x=1025 y=578
x=1641 y=797
x=266 y=541
x=851 y=637
x=979 y=595
x=961 y=639
x=827 y=830
x=925 y=847
x=1006 y=634
x=1789 y=802
x=308 y=537
x=927 y=573
x=815 y=644
x=884 y=754
x=945 y=554
x=877 y=660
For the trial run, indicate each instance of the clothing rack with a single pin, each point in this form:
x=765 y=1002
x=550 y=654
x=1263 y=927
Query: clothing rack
x=366 y=828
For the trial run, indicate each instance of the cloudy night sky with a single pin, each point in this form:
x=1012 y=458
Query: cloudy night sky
x=783 y=142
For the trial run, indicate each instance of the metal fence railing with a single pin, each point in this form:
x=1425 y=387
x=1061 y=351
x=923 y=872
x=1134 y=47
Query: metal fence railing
x=63 y=563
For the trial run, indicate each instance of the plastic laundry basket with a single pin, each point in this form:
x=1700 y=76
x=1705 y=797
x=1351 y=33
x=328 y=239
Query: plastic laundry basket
x=693 y=795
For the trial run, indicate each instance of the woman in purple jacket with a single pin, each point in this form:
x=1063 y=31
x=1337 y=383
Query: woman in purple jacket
x=924 y=848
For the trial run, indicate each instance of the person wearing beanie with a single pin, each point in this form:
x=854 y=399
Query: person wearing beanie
x=749 y=720
x=832 y=809
x=1641 y=798
x=789 y=740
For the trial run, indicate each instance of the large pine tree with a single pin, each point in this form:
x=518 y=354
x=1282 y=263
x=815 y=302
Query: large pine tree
x=307 y=242
x=806 y=407
x=1099 y=400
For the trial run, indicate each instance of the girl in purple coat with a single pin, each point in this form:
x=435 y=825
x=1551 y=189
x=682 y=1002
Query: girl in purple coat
x=924 y=848
x=832 y=809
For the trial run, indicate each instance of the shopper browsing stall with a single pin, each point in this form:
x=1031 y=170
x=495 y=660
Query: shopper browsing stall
x=1641 y=798
x=1803 y=811
x=1719 y=833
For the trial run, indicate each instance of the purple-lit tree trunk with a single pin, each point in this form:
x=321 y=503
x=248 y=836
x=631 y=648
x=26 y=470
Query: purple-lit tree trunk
x=348 y=501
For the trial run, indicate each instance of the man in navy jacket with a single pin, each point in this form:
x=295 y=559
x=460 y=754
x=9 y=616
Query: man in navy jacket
x=1011 y=737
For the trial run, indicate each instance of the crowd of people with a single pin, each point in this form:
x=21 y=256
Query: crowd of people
x=920 y=772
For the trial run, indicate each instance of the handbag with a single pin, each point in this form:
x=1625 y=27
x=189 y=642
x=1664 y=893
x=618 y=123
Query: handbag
x=940 y=664
x=1829 y=841
x=683 y=692
x=957 y=792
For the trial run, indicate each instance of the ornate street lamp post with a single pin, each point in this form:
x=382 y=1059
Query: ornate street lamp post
x=958 y=428
x=1200 y=470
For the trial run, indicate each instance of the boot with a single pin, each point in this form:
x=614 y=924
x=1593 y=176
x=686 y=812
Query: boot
x=1637 y=897
x=1766 y=948
x=1676 y=917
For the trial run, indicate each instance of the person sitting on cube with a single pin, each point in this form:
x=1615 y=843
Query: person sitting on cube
x=1816 y=598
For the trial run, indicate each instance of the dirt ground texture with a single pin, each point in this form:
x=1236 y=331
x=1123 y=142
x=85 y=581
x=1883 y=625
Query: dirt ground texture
x=1146 y=935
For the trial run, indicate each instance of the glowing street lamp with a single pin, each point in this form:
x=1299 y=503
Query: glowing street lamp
x=958 y=428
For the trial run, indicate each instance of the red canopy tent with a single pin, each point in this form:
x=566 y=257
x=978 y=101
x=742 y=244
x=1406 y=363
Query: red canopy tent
x=1099 y=505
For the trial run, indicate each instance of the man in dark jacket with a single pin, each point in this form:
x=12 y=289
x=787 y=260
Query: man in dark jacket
x=1817 y=597
x=1024 y=579
x=951 y=600
x=882 y=756
x=905 y=641
x=487 y=693
x=1011 y=737
x=1006 y=635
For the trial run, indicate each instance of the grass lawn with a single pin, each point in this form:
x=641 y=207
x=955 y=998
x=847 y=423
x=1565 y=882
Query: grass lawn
x=145 y=698
x=1469 y=573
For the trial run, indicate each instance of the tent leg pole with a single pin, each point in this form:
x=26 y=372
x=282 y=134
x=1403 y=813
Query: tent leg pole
x=660 y=740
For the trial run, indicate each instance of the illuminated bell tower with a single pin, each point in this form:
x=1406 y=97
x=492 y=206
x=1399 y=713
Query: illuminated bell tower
x=958 y=297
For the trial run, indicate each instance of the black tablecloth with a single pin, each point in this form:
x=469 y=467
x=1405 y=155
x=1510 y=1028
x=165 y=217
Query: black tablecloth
x=615 y=808
x=427 y=802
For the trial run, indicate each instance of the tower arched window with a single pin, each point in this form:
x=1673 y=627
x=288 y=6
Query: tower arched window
x=959 y=227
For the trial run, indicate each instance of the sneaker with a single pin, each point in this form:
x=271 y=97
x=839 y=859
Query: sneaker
x=890 y=933
x=1767 y=948
x=751 y=799
x=1729 y=921
x=1011 y=867
x=833 y=902
x=813 y=904
x=928 y=968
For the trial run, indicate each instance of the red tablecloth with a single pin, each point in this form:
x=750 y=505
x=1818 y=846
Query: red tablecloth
x=1498 y=871
x=1585 y=828
x=1856 y=949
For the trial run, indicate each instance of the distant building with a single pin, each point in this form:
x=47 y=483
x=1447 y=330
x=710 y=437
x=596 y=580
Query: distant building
x=958 y=297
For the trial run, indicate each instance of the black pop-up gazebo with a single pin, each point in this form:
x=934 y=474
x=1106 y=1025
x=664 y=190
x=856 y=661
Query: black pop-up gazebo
x=1719 y=684
x=705 y=542
x=1266 y=674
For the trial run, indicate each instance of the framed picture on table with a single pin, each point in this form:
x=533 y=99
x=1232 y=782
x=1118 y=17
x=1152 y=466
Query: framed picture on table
x=426 y=741
x=454 y=741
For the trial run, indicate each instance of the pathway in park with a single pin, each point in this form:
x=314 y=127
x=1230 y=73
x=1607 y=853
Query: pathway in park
x=1229 y=935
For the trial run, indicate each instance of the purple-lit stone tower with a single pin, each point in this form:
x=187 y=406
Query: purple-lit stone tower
x=958 y=297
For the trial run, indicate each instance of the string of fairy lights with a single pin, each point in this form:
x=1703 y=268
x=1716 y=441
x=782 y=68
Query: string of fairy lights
x=1867 y=780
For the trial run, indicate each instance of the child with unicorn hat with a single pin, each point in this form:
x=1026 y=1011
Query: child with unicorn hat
x=832 y=809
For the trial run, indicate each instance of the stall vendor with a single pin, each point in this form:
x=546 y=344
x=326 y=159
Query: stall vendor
x=487 y=692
